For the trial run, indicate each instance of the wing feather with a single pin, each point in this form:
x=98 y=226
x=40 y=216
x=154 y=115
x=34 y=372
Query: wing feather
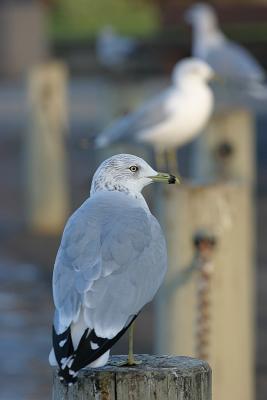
x=150 y=115
x=232 y=61
x=110 y=264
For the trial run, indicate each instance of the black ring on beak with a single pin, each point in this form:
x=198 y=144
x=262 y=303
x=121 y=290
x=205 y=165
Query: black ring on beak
x=172 y=180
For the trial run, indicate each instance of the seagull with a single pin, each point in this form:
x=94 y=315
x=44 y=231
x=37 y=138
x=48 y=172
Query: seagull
x=113 y=49
x=173 y=118
x=111 y=261
x=231 y=62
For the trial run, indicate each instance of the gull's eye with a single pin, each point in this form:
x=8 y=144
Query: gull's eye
x=133 y=168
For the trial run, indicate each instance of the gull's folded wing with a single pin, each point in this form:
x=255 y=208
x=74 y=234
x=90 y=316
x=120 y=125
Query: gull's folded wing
x=111 y=262
x=232 y=61
x=149 y=116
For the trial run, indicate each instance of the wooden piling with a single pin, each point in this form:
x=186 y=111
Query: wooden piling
x=225 y=210
x=47 y=196
x=221 y=202
x=157 y=378
x=226 y=150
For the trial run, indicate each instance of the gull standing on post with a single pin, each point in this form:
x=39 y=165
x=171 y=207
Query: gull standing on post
x=111 y=261
x=232 y=62
x=171 y=119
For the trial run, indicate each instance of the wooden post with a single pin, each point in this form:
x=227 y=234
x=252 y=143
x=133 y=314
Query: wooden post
x=47 y=197
x=223 y=154
x=224 y=209
x=226 y=150
x=157 y=378
x=23 y=36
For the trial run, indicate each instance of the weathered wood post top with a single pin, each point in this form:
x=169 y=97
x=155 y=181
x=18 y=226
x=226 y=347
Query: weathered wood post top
x=157 y=378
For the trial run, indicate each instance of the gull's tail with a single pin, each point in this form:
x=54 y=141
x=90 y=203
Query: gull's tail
x=90 y=348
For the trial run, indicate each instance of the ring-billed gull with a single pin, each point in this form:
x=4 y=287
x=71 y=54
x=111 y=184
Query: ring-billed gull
x=111 y=262
x=113 y=49
x=174 y=117
x=232 y=62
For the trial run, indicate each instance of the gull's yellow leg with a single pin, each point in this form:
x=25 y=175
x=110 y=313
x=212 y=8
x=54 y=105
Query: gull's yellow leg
x=131 y=360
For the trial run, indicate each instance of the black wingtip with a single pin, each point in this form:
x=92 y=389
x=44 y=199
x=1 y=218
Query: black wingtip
x=67 y=377
x=64 y=353
x=70 y=361
x=172 y=180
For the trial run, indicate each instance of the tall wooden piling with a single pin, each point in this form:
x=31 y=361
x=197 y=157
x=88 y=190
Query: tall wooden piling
x=46 y=197
x=157 y=378
x=221 y=202
x=220 y=209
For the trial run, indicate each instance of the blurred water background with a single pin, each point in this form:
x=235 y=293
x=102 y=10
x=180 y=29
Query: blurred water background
x=33 y=31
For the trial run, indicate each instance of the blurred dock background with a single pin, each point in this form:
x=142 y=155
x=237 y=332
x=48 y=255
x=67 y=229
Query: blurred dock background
x=31 y=34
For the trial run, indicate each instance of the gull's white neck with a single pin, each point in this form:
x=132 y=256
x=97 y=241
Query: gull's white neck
x=109 y=188
x=191 y=85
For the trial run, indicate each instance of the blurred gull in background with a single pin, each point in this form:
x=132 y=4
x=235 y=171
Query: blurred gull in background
x=233 y=63
x=171 y=119
x=112 y=49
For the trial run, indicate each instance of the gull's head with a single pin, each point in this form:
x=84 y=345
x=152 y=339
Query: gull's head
x=191 y=71
x=126 y=173
x=201 y=15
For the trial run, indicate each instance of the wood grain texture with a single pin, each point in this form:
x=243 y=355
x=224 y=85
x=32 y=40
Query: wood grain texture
x=157 y=378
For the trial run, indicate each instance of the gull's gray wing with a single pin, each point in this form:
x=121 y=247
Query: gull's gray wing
x=151 y=114
x=111 y=262
x=232 y=61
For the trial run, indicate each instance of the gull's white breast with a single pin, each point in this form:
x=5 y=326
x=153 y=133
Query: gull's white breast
x=190 y=109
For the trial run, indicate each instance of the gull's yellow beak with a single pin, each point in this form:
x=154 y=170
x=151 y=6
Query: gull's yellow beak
x=165 y=178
